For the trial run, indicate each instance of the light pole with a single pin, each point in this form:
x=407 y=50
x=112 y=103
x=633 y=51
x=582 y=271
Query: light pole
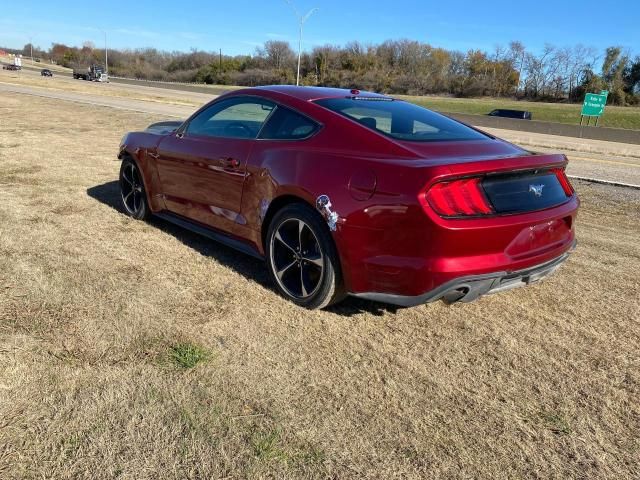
x=106 y=55
x=31 y=47
x=301 y=20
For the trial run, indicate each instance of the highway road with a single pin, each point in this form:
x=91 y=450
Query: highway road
x=183 y=87
x=606 y=161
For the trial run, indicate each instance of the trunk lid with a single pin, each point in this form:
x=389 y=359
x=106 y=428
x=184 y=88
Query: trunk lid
x=510 y=184
x=524 y=191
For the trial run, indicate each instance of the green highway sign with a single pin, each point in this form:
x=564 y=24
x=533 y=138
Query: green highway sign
x=594 y=105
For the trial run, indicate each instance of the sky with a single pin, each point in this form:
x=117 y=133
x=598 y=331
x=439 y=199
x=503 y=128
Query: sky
x=239 y=26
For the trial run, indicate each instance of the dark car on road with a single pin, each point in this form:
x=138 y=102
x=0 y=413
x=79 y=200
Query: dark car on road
x=506 y=113
x=343 y=192
x=11 y=67
x=45 y=72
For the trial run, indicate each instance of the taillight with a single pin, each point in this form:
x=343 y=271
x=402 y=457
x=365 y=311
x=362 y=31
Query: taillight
x=564 y=181
x=463 y=197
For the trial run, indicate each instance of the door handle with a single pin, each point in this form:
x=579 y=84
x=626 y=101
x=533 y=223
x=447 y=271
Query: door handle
x=229 y=162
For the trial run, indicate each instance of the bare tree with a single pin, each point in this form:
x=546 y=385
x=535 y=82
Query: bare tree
x=578 y=63
x=394 y=66
x=517 y=53
x=277 y=53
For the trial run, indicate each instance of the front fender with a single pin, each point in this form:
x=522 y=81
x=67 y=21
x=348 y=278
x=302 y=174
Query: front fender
x=137 y=146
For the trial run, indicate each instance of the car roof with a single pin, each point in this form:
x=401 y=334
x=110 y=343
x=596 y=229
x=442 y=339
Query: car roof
x=316 y=93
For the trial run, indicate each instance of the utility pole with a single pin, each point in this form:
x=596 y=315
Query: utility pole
x=301 y=20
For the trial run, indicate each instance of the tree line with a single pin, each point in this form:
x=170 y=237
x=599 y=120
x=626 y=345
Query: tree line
x=394 y=66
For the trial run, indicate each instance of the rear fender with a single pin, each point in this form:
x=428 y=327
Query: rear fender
x=295 y=175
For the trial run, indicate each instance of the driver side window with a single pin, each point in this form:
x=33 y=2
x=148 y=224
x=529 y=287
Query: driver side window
x=240 y=117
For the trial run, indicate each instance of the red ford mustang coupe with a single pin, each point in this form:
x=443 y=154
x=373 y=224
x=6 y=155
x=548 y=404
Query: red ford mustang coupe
x=345 y=192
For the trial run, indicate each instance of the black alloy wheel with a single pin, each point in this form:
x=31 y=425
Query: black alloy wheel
x=132 y=190
x=302 y=258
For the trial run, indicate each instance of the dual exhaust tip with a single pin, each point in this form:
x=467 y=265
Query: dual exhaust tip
x=470 y=291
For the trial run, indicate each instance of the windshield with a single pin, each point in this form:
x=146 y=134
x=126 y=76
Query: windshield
x=401 y=120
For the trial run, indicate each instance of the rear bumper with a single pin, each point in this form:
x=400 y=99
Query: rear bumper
x=469 y=288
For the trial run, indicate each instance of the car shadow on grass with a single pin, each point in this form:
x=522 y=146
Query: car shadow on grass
x=256 y=270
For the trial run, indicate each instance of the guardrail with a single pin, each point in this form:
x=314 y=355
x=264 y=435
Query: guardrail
x=606 y=134
x=142 y=80
x=184 y=86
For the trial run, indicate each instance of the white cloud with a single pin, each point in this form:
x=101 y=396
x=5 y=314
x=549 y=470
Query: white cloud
x=136 y=33
x=278 y=36
x=190 y=35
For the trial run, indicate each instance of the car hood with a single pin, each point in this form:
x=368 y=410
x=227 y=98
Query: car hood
x=162 y=128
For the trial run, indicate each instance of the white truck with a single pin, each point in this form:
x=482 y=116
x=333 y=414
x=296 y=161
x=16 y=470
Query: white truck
x=16 y=65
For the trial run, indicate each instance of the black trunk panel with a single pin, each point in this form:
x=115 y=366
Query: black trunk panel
x=526 y=192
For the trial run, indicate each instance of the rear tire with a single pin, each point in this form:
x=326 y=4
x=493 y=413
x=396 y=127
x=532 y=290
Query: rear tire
x=132 y=191
x=302 y=258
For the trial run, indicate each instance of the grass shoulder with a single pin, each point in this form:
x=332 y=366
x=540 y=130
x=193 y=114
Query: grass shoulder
x=614 y=117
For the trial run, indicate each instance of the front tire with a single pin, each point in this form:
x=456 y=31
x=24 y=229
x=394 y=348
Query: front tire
x=302 y=258
x=132 y=192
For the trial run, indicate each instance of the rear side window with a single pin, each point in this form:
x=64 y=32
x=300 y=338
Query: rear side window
x=286 y=124
x=401 y=120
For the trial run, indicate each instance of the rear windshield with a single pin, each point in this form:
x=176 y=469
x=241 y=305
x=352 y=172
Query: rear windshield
x=401 y=120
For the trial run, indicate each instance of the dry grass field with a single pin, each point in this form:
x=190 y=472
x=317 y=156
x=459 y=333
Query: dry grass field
x=136 y=350
x=67 y=84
